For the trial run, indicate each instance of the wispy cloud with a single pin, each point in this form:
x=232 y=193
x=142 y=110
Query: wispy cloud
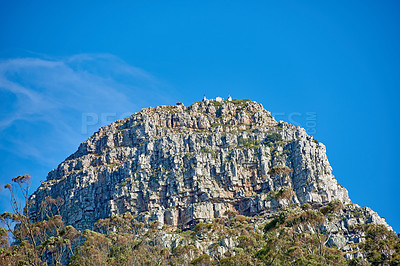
x=43 y=100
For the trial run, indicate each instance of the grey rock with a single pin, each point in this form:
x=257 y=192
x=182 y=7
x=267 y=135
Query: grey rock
x=336 y=241
x=180 y=165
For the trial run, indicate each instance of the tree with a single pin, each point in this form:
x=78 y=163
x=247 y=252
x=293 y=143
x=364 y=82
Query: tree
x=31 y=240
x=18 y=224
x=381 y=245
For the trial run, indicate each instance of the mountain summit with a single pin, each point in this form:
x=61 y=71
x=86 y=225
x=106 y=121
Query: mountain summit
x=181 y=165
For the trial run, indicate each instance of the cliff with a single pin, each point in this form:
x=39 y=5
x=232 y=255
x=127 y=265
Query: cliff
x=182 y=165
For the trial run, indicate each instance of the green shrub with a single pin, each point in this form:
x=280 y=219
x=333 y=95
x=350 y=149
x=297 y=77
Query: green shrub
x=248 y=143
x=358 y=214
x=395 y=259
x=246 y=241
x=202 y=259
x=274 y=137
x=206 y=150
x=271 y=225
x=381 y=245
x=216 y=104
x=235 y=101
x=187 y=234
x=201 y=227
x=332 y=207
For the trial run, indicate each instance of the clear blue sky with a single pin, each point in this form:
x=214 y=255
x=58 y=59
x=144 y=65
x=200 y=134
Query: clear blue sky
x=66 y=62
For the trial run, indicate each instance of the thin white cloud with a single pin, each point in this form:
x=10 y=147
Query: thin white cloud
x=43 y=100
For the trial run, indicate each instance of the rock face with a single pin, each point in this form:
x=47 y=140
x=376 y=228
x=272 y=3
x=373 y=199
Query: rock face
x=180 y=165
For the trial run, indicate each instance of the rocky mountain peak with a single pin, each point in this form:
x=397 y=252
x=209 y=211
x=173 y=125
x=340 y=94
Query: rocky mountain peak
x=180 y=165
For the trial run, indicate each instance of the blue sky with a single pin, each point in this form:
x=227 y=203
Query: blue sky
x=331 y=67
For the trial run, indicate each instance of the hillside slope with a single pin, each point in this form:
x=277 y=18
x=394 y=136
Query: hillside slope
x=182 y=165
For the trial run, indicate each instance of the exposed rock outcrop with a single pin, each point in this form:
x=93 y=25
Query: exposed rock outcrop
x=178 y=164
x=181 y=165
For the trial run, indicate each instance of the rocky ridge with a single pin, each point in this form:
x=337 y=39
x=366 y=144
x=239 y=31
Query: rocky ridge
x=182 y=165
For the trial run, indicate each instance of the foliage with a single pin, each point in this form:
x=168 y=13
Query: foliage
x=332 y=207
x=201 y=260
x=381 y=245
x=33 y=240
x=189 y=155
x=294 y=236
x=201 y=227
x=248 y=143
x=290 y=243
x=216 y=124
x=273 y=138
x=270 y=225
x=235 y=101
x=306 y=206
x=284 y=193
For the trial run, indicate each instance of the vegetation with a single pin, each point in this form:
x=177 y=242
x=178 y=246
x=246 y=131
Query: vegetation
x=273 y=138
x=332 y=207
x=216 y=104
x=216 y=124
x=244 y=101
x=381 y=245
x=288 y=242
x=293 y=237
x=33 y=240
x=248 y=143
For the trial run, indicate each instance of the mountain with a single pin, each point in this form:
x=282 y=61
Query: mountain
x=183 y=166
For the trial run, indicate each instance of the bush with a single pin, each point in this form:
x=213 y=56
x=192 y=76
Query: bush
x=248 y=143
x=274 y=137
x=332 y=207
x=202 y=259
x=306 y=206
x=201 y=227
x=235 y=101
x=395 y=259
x=231 y=213
x=271 y=225
x=246 y=241
x=241 y=218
